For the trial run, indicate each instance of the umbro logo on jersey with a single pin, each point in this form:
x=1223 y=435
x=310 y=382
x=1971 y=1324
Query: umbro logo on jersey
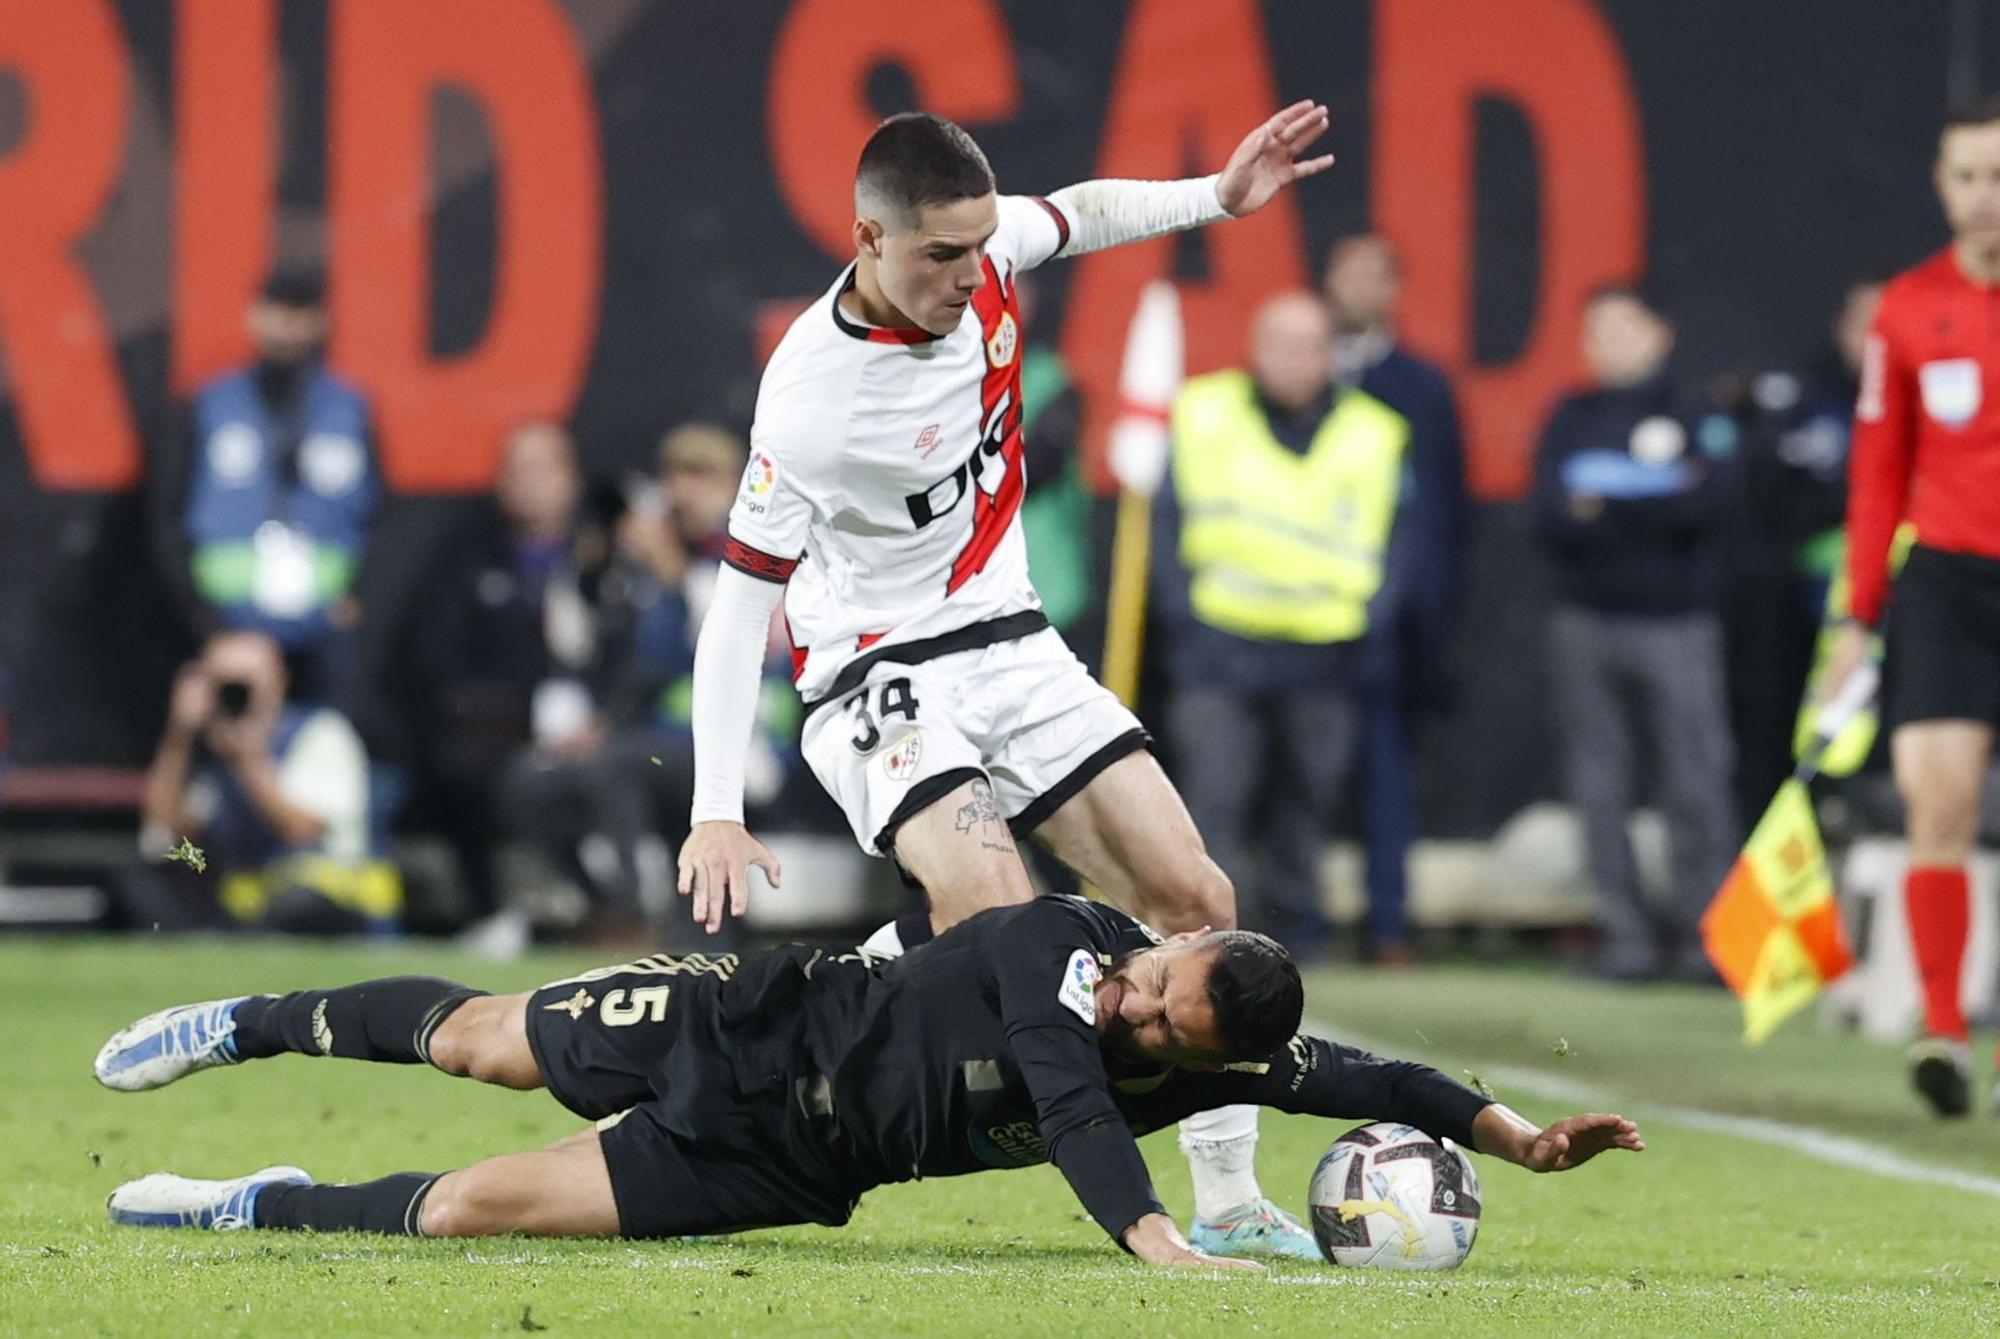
x=929 y=440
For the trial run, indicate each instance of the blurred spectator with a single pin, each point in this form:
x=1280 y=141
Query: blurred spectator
x=1630 y=513
x=1787 y=536
x=615 y=789
x=1406 y=670
x=499 y=632
x=280 y=490
x=274 y=793
x=1273 y=557
x=1814 y=446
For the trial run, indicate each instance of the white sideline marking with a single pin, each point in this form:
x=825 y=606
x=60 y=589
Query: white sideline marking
x=1838 y=1149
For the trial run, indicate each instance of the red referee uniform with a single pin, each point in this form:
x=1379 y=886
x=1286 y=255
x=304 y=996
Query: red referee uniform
x=1926 y=449
x=1927 y=426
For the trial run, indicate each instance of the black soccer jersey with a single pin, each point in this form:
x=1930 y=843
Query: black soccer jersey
x=980 y=1050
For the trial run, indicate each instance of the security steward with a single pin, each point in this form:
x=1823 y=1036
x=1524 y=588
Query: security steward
x=1278 y=548
x=282 y=487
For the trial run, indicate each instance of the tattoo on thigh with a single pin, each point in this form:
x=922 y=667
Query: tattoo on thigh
x=982 y=812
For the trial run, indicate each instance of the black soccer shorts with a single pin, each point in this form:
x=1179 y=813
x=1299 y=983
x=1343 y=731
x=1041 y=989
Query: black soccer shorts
x=1943 y=640
x=639 y=1049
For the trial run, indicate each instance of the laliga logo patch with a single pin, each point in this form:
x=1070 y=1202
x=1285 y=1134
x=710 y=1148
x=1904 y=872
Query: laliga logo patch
x=1079 y=986
x=1001 y=345
x=900 y=762
x=759 y=474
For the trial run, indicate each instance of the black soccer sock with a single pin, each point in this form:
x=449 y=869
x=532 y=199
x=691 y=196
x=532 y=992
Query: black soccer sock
x=914 y=929
x=390 y=1020
x=390 y=1205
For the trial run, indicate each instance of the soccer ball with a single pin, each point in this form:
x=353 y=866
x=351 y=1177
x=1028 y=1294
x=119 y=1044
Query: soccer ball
x=1389 y=1196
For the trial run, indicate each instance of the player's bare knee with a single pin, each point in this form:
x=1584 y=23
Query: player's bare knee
x=455 y=1043
x=453 y=1207
x=475 y=1042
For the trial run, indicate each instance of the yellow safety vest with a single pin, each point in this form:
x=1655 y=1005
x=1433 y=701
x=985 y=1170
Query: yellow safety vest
x=373 y=888
x=1279 y=545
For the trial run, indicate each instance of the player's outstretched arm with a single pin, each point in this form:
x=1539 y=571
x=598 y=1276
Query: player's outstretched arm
x=1268 y=159
x=715 y=860
x=1502 y=1132
x=1109 y=212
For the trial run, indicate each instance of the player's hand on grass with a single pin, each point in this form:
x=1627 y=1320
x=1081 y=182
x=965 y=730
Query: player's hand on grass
x=1158 y=1241
x=1268 y=160
x=715 y=869
x=1575 y=1140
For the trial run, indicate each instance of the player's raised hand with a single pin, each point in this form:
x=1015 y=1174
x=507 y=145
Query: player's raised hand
x=715 y=865
x=1575 y=1140
x=1268 y=159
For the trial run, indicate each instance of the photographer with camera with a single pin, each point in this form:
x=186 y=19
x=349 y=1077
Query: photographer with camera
x=273 y=794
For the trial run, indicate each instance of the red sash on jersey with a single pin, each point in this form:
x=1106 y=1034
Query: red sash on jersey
x=1000 y=418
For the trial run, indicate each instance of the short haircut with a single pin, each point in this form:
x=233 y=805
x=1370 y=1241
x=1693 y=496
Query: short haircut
x=1980 y=111
x=1255 y=991
x=915 y=159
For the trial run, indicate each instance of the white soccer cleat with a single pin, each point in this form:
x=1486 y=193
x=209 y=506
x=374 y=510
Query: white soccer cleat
x=166 y=1200
x=168 y=1045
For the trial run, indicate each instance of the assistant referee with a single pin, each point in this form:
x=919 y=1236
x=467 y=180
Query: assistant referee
x=1926 y=449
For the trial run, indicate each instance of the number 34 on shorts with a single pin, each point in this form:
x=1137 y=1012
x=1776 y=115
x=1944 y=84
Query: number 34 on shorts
x=875 y=708
x=1024 y=713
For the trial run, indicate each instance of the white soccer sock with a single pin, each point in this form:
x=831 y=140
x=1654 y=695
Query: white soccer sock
x=1221 y=1149
x=885 y=940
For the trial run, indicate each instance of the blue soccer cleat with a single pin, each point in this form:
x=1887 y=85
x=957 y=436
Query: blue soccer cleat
x=166 y=1200
x=168 y=1045
x=1257 y=1228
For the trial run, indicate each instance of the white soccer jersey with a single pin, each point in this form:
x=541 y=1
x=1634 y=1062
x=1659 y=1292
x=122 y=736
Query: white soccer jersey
x=886 y=472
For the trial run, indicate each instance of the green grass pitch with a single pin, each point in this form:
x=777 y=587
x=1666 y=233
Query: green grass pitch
x=1706 y=1233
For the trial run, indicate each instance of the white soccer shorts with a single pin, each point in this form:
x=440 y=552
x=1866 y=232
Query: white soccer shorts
x=1024 y=713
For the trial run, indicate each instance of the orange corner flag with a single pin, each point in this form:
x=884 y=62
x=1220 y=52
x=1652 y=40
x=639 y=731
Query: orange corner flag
x=1773 y=930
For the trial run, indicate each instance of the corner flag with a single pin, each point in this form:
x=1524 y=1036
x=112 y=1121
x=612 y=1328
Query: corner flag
x=1773 y=930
